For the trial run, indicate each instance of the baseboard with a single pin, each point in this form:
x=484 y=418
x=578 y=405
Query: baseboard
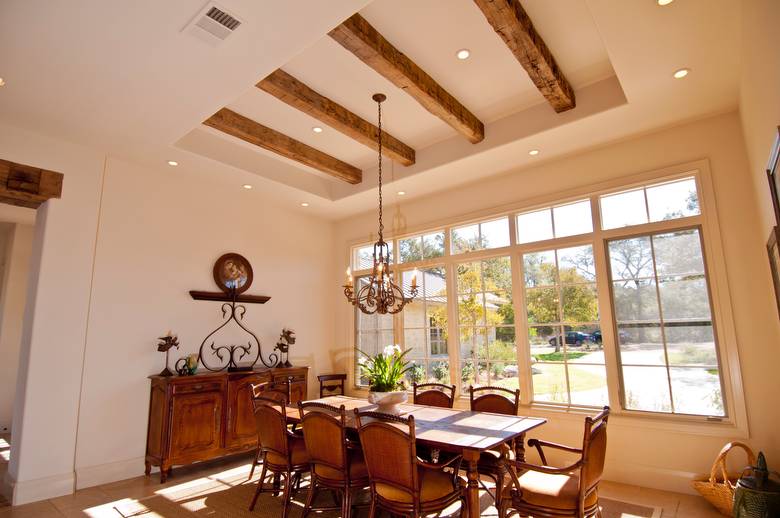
x=650 y=476
x=27 y=491
x=89 y=476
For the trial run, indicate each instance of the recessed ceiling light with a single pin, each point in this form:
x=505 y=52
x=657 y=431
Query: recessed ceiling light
x=2 y=82
x=533 y=152
x=304 y=204
x=247 y=186
x=401 y=193
x=463 y=54
x=173 y=163
x=317 y=129
x=679 y=74
x=664 y=2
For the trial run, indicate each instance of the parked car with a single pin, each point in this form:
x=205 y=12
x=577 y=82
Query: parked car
x=575 y=338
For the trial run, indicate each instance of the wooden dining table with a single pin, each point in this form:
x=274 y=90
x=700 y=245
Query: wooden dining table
x=462 y=432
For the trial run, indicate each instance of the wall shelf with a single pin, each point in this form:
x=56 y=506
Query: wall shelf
x=221 y=296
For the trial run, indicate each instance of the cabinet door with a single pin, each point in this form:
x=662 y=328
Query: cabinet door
x=196 y=425
x=241 y=429
x=297 y=391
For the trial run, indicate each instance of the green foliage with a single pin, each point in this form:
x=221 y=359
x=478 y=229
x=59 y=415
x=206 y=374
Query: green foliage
x=416 y=373
x=385 y=370
x=467 y=372
x=441 y=371
x=559 y=356
x=419 y=248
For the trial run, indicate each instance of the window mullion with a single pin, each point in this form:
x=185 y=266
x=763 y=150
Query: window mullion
x=522 y=342
x=453 y=330
x=609 y=340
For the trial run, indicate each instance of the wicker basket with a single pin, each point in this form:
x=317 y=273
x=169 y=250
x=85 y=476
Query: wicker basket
x=718 y=488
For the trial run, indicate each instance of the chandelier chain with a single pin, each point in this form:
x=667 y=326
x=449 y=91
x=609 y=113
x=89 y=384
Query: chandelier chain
x=381 y=224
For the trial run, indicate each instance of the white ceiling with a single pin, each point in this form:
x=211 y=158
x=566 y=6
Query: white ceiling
x=123 y=77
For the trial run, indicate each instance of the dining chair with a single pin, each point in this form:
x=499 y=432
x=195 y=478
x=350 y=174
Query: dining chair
x=571 y=491
x=400 y=482
x=261 y=392
x=283 y=452
x=498 y=400
x=331 y=384
x=433 y=394
x=336 y=463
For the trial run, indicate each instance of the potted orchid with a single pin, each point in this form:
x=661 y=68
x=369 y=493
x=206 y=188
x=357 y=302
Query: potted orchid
x=385 y=372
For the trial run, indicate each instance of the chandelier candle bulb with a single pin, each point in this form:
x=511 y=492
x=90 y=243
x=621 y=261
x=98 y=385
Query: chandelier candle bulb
x=349 y=277
x=414 y=279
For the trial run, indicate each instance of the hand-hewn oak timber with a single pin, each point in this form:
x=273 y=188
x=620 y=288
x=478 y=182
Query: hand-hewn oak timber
x=365 y=42
x=209 y=415
x=237 y=125
x=28 y=186
x=290 y=90
x=511 y=22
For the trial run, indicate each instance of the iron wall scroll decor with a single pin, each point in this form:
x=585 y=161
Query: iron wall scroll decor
x=233 y=274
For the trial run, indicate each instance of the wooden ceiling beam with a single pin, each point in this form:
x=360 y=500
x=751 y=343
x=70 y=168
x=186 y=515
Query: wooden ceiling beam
x=290 y=90
x=232 y=123
x=365 y=42
x=511 y=22
x=27 y=186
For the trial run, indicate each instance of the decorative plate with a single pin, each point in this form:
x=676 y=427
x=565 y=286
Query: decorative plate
x=233 y=272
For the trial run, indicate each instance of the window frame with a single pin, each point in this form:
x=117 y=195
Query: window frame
x=735 y=422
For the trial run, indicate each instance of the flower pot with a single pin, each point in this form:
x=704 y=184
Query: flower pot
x=388 y=402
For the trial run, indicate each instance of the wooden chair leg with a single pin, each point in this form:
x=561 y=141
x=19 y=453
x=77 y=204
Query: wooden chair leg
x=254 y=464
x=276 y=484
x=286 y=494
x=347 y=506
x=372 y=507
x=257 y=492
x=310 y=498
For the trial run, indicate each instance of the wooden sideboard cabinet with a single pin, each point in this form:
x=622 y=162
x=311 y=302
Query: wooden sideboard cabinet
x=209 y=415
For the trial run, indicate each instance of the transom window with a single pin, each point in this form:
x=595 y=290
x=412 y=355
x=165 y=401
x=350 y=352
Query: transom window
x=480 y=236
x=619 y=314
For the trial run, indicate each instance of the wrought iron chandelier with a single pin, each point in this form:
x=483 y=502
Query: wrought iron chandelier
x=378 y=293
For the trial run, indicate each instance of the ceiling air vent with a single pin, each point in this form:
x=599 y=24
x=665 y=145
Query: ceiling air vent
x=213 y=24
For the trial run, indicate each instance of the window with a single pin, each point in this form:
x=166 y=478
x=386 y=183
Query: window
x=564 y=333
x=481 y=236
x=486 y=319
x=417 y=248
x=660 y=202
x=631 y=259
x=373 y=332
x=562 y=221
x=425 y=327
x=665 y=334
x=363 y=256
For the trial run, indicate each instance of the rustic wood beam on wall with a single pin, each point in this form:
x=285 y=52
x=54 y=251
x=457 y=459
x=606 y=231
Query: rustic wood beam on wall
x=27 y=186
x=365 y=42
x=286 y=88
x=246 y=129
x=511 y=22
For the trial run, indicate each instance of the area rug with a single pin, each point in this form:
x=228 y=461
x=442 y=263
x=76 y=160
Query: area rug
x=233 y=502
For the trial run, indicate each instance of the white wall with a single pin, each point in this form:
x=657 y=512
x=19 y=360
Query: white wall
x=47 y=395
x=638 y=454
x=154 y=245
x=116 y=258
x=15 y=271
x=759 y=94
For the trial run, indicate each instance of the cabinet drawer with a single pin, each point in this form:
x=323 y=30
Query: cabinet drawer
x=290 y=378
x=190 y=388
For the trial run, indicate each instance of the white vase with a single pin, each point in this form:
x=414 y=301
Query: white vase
x=388 y=402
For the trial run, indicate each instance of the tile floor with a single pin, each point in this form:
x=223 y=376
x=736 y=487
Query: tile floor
x=217 y=475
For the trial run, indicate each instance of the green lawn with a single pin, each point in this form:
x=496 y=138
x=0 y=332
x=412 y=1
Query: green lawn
x=554 y=382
